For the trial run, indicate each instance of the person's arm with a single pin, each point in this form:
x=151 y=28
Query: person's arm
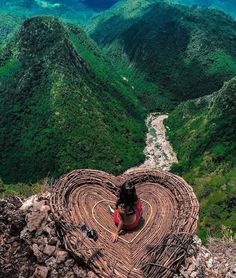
x=120 y=226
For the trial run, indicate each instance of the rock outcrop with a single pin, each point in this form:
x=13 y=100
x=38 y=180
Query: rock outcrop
x=30 y=243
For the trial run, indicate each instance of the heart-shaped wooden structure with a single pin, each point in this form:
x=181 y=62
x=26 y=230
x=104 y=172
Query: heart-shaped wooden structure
x=155 y=249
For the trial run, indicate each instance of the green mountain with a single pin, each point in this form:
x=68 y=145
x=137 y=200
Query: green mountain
x=187 y=52
x=63 y=106
x=228 y=6
x=203 y=133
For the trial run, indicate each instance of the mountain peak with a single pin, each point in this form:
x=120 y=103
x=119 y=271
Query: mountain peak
x=65 y=96
x=39 y=34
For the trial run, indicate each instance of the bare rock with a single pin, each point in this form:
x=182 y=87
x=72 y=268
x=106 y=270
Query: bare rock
x=29 y=202
x=49 y=250
x=61 y=256
x=23 y=271
x=26 y=235
x=79 y=271
x=40 y=272
x=70 y=263
x=51 y=262
x=63 y=271
x=42 y=241
x=35 y=220
x=53 y=241
x=54 y=274
x=91 y=274
x=70 y=275
x=47 y=230
x=38 y=216
x=36 y=251
x=41 y=206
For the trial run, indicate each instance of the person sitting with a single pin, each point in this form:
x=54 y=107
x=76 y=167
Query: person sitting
x=128 y=210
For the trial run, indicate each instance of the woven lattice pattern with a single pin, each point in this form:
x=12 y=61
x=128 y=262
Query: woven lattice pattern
x=155 y=249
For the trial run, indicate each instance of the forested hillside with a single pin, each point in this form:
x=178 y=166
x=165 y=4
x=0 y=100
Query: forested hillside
x=187 y=52
x=203 y=132
x=63 y=107
x=228 y=6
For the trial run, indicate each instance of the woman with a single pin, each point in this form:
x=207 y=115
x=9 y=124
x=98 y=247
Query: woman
x=128 y=210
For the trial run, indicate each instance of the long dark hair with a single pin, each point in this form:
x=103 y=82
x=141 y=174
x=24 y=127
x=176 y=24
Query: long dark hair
x=127 y=195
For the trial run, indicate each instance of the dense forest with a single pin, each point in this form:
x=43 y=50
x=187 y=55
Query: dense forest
x=228 y=6
x=203 y=132
x=188 y=53
x=63 y=106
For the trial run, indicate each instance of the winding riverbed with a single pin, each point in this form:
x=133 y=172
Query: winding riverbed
x=158 y=152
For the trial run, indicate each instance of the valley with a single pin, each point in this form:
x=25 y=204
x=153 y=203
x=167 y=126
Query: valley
x=158 y=152
x=187 y=52
x=77 y=97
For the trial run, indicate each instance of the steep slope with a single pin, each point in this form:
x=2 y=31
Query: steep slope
x=187 y=52
x=203 y=133
x=63 y=107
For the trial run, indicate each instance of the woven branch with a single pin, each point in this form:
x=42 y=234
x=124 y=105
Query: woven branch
x=159 y=245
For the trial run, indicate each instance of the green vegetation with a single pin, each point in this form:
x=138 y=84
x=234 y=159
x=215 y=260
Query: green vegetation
x=202 y=132
x=63 y=106
x=186 y=52
x=147 y=92
x=21 y=190
x=228 y=6
x=221 y=62
x=6 y=70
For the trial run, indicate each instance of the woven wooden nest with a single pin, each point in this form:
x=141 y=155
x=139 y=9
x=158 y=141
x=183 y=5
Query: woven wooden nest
x=158 y=246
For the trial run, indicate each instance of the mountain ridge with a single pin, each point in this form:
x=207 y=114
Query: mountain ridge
x=186 y=52
x=67 y=108
x=203 y=133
